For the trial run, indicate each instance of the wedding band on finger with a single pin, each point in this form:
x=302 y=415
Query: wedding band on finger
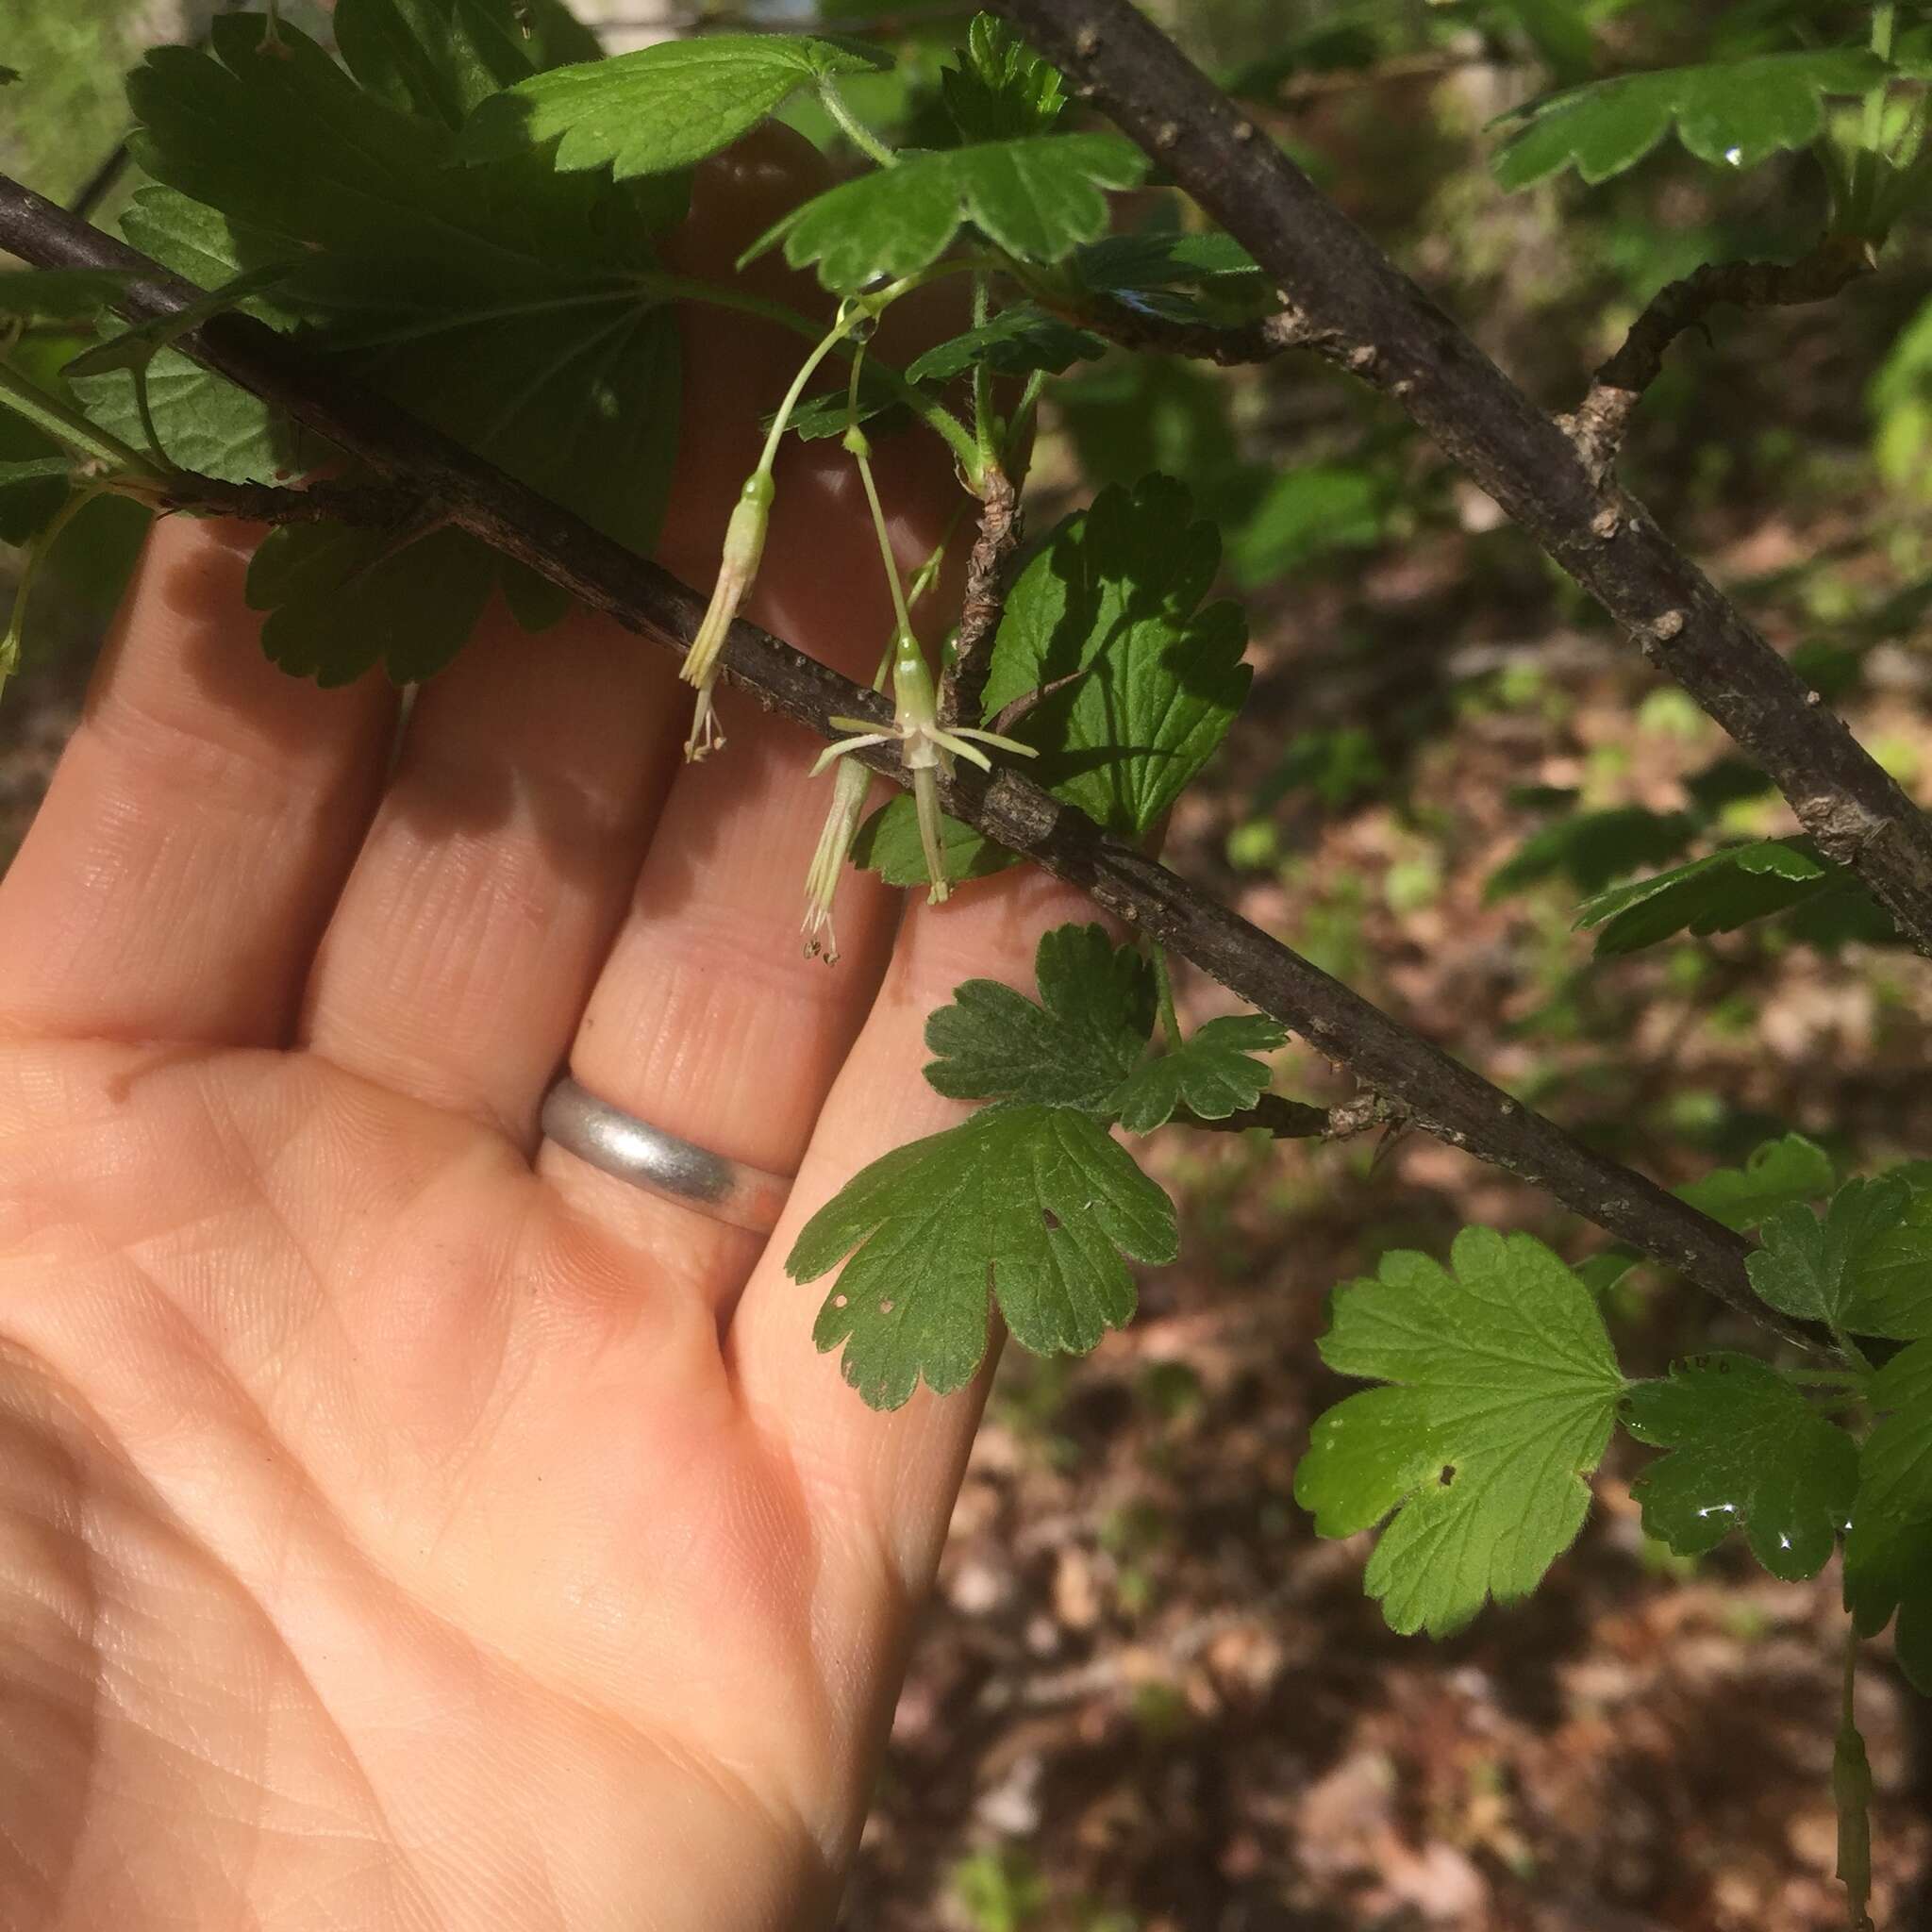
x=620 y=1145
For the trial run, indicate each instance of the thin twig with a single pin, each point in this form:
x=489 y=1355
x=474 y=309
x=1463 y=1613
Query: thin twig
x=1364 y=313
x=1436 y=1092
x=1604 y=416
x=1000 y=528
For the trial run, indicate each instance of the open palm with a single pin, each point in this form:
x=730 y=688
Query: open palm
x=402 y=1524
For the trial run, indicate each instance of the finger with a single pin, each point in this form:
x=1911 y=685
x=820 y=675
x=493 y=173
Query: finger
x=460 y=956
x=881 y=1486
x=708 y=1020
x=459 y=963
x=200 y=824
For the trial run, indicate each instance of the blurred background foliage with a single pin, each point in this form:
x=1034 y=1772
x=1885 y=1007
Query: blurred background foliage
x=1148 y=1699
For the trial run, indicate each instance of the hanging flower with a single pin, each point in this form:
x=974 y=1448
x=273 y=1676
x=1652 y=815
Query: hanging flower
x=745 y=543
x=926 y=751
x=829 y=861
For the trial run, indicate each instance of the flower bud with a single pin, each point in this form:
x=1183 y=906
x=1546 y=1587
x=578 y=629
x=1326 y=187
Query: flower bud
x=828 y=862
x=745 y=543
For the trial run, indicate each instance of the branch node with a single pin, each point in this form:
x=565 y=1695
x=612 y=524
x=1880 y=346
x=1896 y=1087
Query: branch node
x=964 y=683
x=1606 y=523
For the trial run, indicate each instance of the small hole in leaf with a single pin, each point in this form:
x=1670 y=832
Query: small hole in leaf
x=1051 y=1219
x=837 y=1301
x=1448 y=1475
x=885 y=1307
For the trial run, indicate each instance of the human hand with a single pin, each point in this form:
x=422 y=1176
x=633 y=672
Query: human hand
x=402 y=1524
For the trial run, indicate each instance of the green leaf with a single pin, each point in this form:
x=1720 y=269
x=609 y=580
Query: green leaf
x=1072 y=1049
x=1031 y=1204
x=825 y=415
x=1037 y=198
x=1748 y=1451
x=1894 y=1269
x=1775 y=1174
x=1888 y=1551
x=1811 y=1268
x=435 y=57
x=1506 y=1391
x=205 y=423
x=62 y=295
x=888 y=845
x=341 y=602
x=1734 y=113
x=1111 y=604
x=1209 y=1074
x=1000 y=90
x=662 y=107
x=1719 y=893
x=1016 y=341
x=499 y=304
x=1592 y=848
x=1163 y=259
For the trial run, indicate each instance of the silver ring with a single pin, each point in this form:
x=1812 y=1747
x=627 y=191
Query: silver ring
x=619 y=1144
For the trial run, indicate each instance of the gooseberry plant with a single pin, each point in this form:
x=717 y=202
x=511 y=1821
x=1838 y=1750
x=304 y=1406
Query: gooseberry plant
x=458 y=209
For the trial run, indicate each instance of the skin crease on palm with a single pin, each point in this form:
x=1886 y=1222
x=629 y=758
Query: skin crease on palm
x=401 y=1525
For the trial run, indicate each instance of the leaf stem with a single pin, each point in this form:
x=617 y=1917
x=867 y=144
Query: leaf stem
x=1163 y=991
x=982 y=374
x=860 y=136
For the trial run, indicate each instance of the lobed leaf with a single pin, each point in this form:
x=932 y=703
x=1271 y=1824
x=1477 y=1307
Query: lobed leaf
x=1016 y=341
x=341 y=601
x=1028 y=1208
x=659 y=109
x=435 y=57
x=1894 y=1278
x=1071 y=1049
x=500 y=304
x=1774 y=1173
x=1747 y=1452
x=1000 y=89
x=1813 y=1269
x=1734 y=113
x=1889 y=1550
x=1037 y=198
x=1211 y=1074
x=1148 y=682
x=1506 y=1392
